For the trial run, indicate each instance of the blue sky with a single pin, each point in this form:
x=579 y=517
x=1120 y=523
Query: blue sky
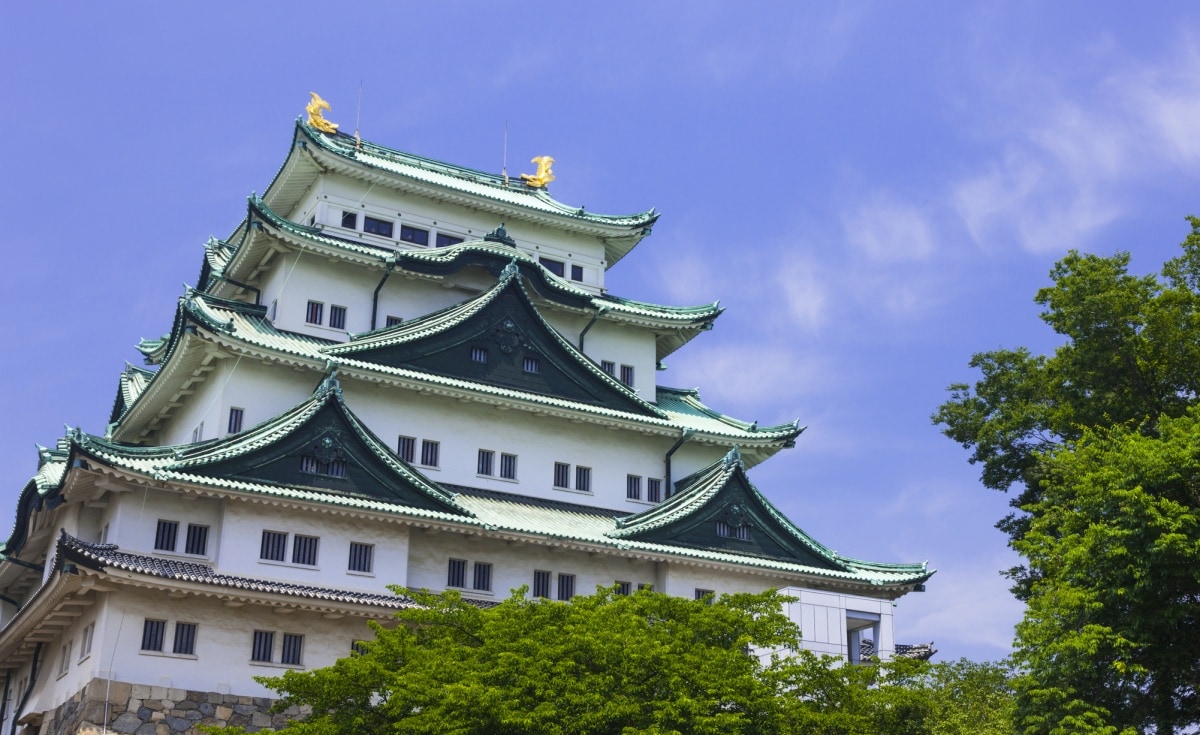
x=874 y=190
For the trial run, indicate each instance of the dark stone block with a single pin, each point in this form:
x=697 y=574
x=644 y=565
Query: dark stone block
x=207 y=709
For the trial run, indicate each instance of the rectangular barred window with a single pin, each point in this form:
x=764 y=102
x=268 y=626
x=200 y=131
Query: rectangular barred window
x=445 y=241
x=566 y=586
x=633 y=487
x=627 y=375
x=164 y=536
x=562 y=474
x=541 y=584
x=274 y=545
x=315 y=314
x=624 y=588
x=380 y=227
x=653 y=489
x=576 y=273
x=609 y=367
x=531 y=365
x=85 y=642
x=645 y=586
x=337 y=468
x=152 y=634
x=456 y=576
x=293 y=649
x=415 y=235
x=235 y=420
x=304 y=550
x=310 y=465
x=337 y=317
x=350 y=220
x=197 y=540
x=583 y=479
x=429 y=453
x=704 y=595
x=263 y=647
x=405 y=448
x=508 y=466
x=185 y=639
x=557 y=267
x=362 y=557
x=483 y=577
x=486 y=459
x=479 y=354
x=392 y=321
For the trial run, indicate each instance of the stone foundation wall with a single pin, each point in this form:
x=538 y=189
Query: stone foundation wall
x=138 y=709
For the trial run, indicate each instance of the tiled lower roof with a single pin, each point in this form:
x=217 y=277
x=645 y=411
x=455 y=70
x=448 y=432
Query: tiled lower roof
x=105 y=556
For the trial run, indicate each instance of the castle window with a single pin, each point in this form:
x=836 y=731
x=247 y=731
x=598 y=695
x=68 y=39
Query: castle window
x=337 y=317
x=486 y=459
x=392 y=321
x=633 y=487
x=196 y=541
x=380 y=227
x=456 y=575
x=576 y=273
x=64 y=663
x=566 y=586
x=85 y=641
x=153 y=632
x=627 y=375
x=479 y=354
x=653 y=490
x=583 y=479
x=198 y=432
x=483 y=577
x=304 y=550
x=164 y=536
x=609 y=367
x=508 y=466
x=362 y=557
x=562 y=474
x=429 y=453
x=406 y=447
x=624 y=588
x=263 y=646
x=185 y=639
x=706 y=595
x=313 y=466
x=315 y=313
x=557 y=267
x=415 y=235
x=235 y=420
x=531 y=365
x=273 y=547
x=445 y=241
x=350 y=220
x=725 y=530
x=293 y=647
x=541 y=583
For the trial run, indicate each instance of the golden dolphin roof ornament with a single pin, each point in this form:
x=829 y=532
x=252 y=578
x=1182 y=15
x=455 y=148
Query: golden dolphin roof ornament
x=315 y=116
x=543 y=176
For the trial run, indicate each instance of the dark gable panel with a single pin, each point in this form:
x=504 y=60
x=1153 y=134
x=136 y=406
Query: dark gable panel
x=507 y=332
x=304 y=458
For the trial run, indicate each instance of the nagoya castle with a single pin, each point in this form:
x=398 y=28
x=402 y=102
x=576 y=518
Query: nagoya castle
x=393 y=371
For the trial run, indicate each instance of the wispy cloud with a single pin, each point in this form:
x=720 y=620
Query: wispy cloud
x=885 y=229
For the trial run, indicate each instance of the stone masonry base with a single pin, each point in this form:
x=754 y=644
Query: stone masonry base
x=138 y=709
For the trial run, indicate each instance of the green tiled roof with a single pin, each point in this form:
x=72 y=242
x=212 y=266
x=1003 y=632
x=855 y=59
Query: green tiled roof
x=132 y=382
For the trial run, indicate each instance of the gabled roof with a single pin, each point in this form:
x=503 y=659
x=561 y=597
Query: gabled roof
x=132 y=382
x=231 y=268
x=718 y=508
x=491 y=339
x=319 y=445
x=314 y=152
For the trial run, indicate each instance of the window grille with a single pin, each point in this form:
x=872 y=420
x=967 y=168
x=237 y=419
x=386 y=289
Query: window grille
x=405 y=448
x=274 y=545
x=706 y=595
x=508 y=466
x=562 y=474
x=304 y=550
x=479 y=354
x=531 y=365
x=624 y=588
x=457 y=574
x=627 y=375
x=429 y=453
x=566 y=586
x=362 y=557
x=653 y=489
x=263 y=647
x=483 y=577
x=152 y=634
x=196 y=541
x=392 y=321
x=337 y=317
x=633 y=487
x=235 y=420
x=185 y=639
x=609 y=367
x=293 y=647
x=486 y=459
x=583 y=479
x=541 y=583
x=164 y=536
x=315 y=313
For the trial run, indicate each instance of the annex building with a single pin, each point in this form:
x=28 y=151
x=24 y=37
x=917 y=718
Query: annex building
x=393 y=371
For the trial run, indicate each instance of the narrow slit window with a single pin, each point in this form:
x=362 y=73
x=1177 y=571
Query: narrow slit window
x=633 y=487
x=479 y=354
x=653 y=490
x=235 y=420
x=627 y=375
x=531 y=365
x=541 y=584
x=609 y=367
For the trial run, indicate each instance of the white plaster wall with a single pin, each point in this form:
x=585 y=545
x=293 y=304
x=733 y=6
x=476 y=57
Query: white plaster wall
x=203 y=405
x=622 y=344
x=240 y=547
x=54 y=685
x=139 y=511
x=822 y=620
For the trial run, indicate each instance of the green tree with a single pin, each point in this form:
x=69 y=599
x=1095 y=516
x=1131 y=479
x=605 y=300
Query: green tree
x=1094 y=440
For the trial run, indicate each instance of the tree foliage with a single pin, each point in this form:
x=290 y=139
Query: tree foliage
x=646 y=663
x=1100 y=442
